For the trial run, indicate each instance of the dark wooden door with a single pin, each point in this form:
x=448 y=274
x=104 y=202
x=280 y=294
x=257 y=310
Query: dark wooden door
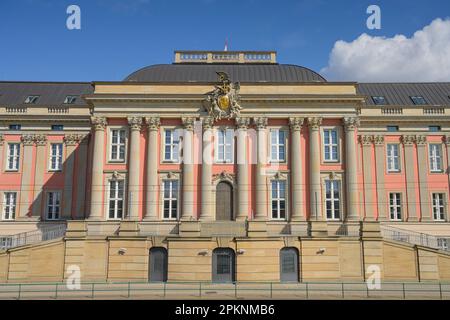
x=158 y=265
x=224 y=201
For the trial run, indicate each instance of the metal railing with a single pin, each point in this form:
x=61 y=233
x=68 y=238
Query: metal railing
x=412 y=237
x=35 y=236
x=237 y=290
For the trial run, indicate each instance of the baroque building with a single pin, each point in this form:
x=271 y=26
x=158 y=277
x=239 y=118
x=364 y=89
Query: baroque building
x=227 y=166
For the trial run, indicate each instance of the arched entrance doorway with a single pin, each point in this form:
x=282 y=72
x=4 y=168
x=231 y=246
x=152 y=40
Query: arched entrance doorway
x=223 y=265
x=224 y=201
x=289 y=265
x=158 y=259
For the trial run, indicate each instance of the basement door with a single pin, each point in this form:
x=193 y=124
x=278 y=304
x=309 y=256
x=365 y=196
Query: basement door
x=223 y=265
x=158 y=265
x=289 y=265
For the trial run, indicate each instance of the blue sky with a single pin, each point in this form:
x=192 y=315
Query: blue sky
x=120 y=36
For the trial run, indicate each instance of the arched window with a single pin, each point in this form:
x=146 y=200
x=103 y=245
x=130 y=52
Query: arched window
x=223 y=265
x=158 y=259
x=289 y=264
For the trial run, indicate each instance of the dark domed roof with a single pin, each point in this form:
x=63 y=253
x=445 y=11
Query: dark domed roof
x=250 y=73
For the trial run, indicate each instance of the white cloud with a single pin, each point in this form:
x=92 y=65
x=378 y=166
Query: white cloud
x=423 y=57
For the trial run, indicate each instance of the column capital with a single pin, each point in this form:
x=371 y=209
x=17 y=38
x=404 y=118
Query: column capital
x=378 y=140
x=366 y=140
x=188 y=123
x=408 y=140
x=314 y=123
x=296 y=123
x=260 y=122
x=207 y=123
x=421 y=140
x=99 y=123
x=27 y=139
x=153 y=123
x=74 y=139
x=2 y=139
x=135 y=123
x=446 y=140
x=242 y=122
x=40 y=139
x=351 y=123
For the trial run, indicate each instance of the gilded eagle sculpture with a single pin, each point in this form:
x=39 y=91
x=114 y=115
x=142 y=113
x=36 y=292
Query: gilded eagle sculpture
x=223 y=101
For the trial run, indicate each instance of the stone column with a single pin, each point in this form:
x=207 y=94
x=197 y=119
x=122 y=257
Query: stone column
x=206 y=212
x=369 y=200
x=447 y=170
x=261 y=186
x=410 y=159
x=314 y=169
x=39 y=171
x=70 y=140
x=188 y=169
x=380 y=162
x=135 y=123
x=26 y=159
x=82 y=158
x=151 y=212
x=2 y=142
x=98 y=158
x=298 y=213
x=422 y=156
x=351 y=167
x=242 y=165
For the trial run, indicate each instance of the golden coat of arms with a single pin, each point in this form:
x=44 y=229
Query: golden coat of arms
x=223 y=101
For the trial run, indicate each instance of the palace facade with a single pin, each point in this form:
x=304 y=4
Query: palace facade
x=225 y=166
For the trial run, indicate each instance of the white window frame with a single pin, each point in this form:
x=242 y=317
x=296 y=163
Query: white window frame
x=330 y=145
x=58 y=157
x=332 y=199
x=116 y=199
x=173 y=145
x=172 y=197
x=437 y=208
x=15 y=156
x=118 y=144
x=54 y=204
x=443 y=243
x=227 y=143
x=278 y=199
x=278 y=145
x=435 y=157
x=8 y=206
x=395 y=210
x=390 y=158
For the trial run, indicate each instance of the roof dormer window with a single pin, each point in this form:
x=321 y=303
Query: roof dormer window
x=379 y=100
x=418 y=100
x=31 y=99
x=70 y=99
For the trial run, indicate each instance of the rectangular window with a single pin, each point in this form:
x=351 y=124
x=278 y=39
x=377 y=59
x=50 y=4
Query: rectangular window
x=9 y=205
x=57 y=127
x=31 y=99
x=395 y=206
x=379 y=100
x=55 y=161
x=393 y=159
x=438 y=206
x=279 y=199
x=392 y=128
x=171 y=145
x=330 y=145
x=170 y=199
x=434 y=128
x=116 y=199
x=224 y=146
x=13 y=156
x=435 y=157
x=117 y=145
x=15 y=127
x=53 y=205
x=333 y=199
x=278 y=145
x=443 y=243
x=70 y=99
x=418 y=100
